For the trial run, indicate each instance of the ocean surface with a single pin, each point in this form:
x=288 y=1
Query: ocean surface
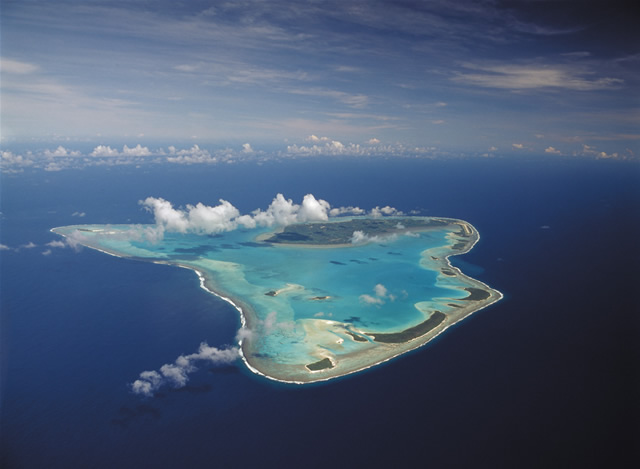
x=548 y=375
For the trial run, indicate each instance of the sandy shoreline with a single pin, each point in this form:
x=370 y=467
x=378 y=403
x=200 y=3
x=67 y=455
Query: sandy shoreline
x=351 y=362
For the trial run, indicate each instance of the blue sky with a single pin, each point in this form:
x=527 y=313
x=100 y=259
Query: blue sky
x=316 y=77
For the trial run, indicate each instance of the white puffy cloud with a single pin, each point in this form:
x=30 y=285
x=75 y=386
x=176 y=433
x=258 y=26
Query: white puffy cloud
x=281 y=212
x=333 y=147
x=243 y=333
x=213 y=219
x=284 y=212
x=371 y=300
x=246 y=148
x=57 y=244
x=165 y=215
x=75 y=240
x=552 y=151
x=193 y=155
x=149 y=382
x=78 y=214
x=107 y=151
x=605 y=155
x=138 y=150
x=591 y=151
x=313 y=209
x=380 y=290
x=334 y=212
x=102 y=150
x=517 y=146
x=202 y=218
x=10 y=161
x=4 y=247
x=177 y=374
x=314 y=139
x=54 y=167
x=360 y=237
x=387 y=210
x=60 y=152
x=381 y=293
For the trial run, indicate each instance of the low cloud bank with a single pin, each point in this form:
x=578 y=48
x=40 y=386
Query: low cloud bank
x=204 y=219
x=177 y=374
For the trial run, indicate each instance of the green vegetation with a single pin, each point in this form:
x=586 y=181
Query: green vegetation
x=323 y=364
x=476 y=294
x=414 y=332
x=357 y=338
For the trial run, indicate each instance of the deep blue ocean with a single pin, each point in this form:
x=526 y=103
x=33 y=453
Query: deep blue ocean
x=547 y=377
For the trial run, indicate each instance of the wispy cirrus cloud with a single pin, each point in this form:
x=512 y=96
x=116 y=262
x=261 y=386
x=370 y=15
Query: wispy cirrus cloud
x=16 y=67
x=349 y=99
x=530 y=77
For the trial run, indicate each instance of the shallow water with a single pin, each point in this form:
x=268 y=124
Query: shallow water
x=306 y=303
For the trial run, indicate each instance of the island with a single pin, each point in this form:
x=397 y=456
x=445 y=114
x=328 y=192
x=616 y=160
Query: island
x=320 y=300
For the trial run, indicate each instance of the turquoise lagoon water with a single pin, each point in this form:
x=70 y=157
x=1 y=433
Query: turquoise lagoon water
x=303 y=303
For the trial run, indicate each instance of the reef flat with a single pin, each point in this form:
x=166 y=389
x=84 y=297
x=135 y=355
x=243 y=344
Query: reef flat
x=320 y=300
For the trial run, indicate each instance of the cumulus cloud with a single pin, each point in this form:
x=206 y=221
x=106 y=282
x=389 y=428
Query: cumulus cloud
x=201 y=218
x=10 y=162
x=591 y=151
x=246 y=148
x=78 y=214
x=243 y=333
x=380 y=290
x=177 y=374
x=605 y=155
x=107 y=151
x=371 y=300
x=360 y=237
x=60 y=152
x=102 y=150
x=138 y=150
x=337 y=211
x=193 y=155
x=381 y=293
x=57 y=244
x=330 y=147
x=4 y=247
x=552 y=151
x=387 y=210
x=53 y=167
x=75 y=240
x=517 y=146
